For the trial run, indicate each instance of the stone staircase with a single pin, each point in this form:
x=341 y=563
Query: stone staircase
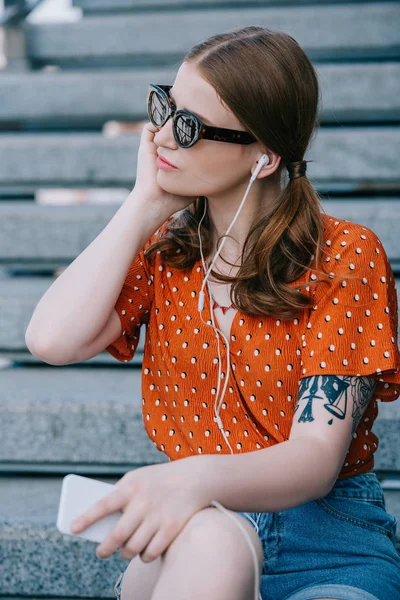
x=58 y=133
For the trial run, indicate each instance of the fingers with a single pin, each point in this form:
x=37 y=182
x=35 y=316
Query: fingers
x=107 y=505
x=125 y=528
x=148 y=131
x=139 y=542
x=150 y=540
x=156 y=546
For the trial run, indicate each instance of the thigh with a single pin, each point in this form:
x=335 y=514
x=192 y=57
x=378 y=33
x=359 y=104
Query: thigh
x=208 y=528
x=138 y=580
x=221 y=543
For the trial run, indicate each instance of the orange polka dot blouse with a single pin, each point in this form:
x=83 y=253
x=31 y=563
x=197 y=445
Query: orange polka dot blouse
x=350 y=330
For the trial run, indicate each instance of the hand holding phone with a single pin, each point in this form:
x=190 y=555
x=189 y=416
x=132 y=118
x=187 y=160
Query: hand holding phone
x=78 y=494
x=156 y=500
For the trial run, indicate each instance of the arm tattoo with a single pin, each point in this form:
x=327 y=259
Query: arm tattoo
x=335 y=392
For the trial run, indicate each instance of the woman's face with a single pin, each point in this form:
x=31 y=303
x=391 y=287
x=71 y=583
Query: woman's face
x=208 y=168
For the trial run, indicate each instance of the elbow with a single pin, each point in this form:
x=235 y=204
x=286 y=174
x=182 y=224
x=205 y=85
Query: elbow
x=333 y=478
x=43 y=352
x=327 y=466
x=330 y=479
x=325 y=488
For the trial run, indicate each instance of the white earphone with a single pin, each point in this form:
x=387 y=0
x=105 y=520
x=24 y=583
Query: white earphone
x=263 y=160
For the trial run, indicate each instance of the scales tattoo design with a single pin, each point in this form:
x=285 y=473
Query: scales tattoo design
x=337 y=391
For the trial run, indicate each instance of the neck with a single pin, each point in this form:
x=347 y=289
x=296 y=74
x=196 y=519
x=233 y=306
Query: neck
x=222 y=210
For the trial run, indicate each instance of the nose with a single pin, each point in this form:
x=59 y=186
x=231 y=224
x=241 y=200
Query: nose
x=164 y=136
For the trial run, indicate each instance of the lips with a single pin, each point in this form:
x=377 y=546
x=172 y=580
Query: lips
x=167 y=161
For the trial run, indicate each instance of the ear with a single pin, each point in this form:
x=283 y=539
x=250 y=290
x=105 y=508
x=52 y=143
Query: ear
x=270 y=168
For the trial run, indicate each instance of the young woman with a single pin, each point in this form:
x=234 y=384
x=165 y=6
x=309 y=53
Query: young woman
x=307 y=306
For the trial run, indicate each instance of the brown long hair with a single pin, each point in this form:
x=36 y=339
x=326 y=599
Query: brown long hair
x=270 y=85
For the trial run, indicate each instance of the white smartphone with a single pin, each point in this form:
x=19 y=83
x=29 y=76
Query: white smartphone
x=78 y=493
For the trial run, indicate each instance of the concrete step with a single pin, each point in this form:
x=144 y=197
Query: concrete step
x=58 y=234
x=71 y=416
x=38 y=560
x=345 y=159
x=123 y=39
x=55 y=418
x=24 y=358
x=89 y=98
x=115 y=6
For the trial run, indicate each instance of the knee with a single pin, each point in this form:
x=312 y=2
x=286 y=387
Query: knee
x=212 y=530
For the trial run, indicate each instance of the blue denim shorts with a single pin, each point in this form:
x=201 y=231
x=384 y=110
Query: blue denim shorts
x=342 y=545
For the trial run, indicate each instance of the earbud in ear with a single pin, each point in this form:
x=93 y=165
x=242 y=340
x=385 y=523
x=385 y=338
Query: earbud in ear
x=263 y=160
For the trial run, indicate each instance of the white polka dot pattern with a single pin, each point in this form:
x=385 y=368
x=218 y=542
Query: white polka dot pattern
x=351 y=329
x=353 y=326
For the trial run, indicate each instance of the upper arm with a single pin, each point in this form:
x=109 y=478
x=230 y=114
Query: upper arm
x=329 y=407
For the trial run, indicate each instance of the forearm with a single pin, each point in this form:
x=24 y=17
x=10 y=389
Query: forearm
x=275 y=478
x=76 y=307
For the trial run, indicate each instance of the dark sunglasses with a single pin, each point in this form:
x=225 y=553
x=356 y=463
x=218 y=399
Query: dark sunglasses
x=188 y=127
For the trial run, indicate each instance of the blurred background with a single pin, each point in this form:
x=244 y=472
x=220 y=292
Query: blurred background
x=74 y=76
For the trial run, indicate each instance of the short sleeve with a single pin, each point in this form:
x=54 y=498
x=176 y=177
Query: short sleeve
x=132 y=306
x=353 y=326
x=134 y=301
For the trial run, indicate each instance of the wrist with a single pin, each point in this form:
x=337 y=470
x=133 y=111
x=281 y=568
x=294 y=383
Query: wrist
x=150 y=208
x=205 y=477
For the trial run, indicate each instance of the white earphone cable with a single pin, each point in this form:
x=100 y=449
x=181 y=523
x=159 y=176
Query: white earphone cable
x=262 y=161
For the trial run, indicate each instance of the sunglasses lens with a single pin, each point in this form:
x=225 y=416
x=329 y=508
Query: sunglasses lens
x=187 y=130
x=158 y=108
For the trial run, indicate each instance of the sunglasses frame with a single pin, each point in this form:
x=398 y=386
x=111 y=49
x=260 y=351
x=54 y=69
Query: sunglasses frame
x=206 y=132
